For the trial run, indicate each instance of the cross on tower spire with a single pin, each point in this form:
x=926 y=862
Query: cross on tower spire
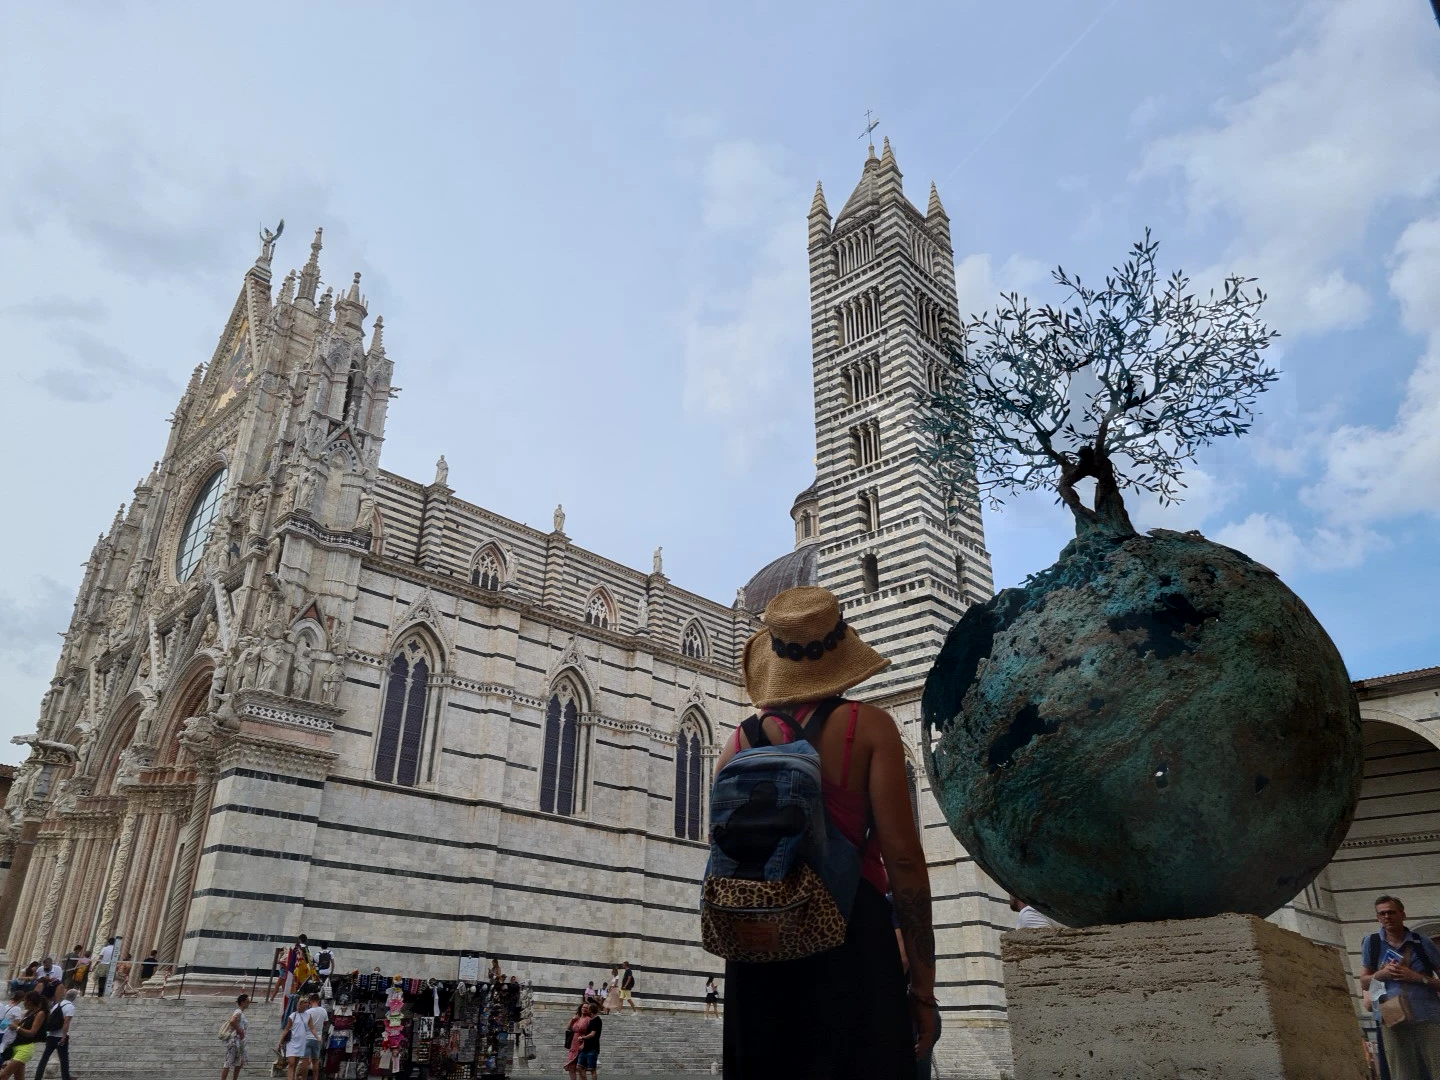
x=871 y=123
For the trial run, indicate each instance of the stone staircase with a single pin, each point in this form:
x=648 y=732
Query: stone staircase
x=151 y=1038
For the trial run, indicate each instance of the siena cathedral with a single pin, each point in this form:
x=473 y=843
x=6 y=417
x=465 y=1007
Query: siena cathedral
x=299 y=693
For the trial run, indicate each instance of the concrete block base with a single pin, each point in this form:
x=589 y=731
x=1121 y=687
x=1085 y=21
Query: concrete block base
x=1227 y=998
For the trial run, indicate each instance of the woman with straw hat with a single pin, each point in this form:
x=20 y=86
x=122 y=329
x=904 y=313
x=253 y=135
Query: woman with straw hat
x=846 y=1012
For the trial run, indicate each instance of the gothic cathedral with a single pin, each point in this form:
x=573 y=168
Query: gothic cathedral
x=299 y=693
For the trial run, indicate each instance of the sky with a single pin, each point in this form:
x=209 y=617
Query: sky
x=584 y=225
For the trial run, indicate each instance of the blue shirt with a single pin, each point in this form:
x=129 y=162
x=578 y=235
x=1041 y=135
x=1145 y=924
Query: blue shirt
x=1424 y=957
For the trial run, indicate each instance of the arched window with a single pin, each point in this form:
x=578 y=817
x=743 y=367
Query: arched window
x=692 y=642
x=486 y=571
x=689 y=766
x=598 y=611
x=870 y=573
x=562 y=746
x=402 y=718
x=203 y=510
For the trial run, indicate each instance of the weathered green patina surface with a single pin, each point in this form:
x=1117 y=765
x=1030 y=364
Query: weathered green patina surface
x=1154 y=728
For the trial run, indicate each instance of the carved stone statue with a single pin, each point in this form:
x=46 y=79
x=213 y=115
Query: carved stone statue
x=305 y=491
x=135 y=578
x=642 y=612
x=148 y=710
x=657 y=565
x=273 y=655
x=218 y=678
x=211 y=632
x=559 y=518
x=259 y=503
x=247 y=659
x=267 y=241
x=303 y=670
x=331 y=681
x=133 y=759
x=365 y=519
x=85 y=734
x=442 y=470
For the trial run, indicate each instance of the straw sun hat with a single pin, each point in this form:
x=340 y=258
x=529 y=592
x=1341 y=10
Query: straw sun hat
x=806 y=652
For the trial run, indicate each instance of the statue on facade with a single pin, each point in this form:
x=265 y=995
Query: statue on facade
x=657 y=565
x=442 y=471
x=247 y=657
x=642 y=611
x=273 y=655
x=331 y=682
x=259 y=503
x=303 y=670
x=365 y=519
x=211 y=633
x=86 y=731
x=267 y=241
x=305 y=490
x=218 y=678
x=151 y=705
x=559 y=518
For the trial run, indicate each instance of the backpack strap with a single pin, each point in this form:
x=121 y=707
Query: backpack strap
x=1370 y=952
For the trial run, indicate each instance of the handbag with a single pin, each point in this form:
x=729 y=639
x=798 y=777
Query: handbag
x=568 y=1036
x=1393 y=1010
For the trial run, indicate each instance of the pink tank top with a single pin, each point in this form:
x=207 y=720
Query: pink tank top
x=849 y=810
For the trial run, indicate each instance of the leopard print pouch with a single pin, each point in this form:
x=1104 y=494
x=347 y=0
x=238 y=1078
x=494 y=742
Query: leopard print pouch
x=767 y=921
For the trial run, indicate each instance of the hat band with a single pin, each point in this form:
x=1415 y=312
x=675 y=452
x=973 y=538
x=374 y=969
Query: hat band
x=812 y=650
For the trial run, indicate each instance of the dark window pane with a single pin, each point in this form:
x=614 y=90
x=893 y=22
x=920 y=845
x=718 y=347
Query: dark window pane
x=682 y=780
x=390 y=721
x=408 y=771
x=550 y=763
x=696 y=761
x=565 y=781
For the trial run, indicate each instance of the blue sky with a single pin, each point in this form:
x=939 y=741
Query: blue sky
x=584 y=226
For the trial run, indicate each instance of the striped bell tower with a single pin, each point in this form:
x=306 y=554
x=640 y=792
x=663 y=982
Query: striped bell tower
x=903 y=559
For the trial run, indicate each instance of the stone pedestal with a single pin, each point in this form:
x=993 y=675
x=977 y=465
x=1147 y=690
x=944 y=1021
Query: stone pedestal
x=1229 y=998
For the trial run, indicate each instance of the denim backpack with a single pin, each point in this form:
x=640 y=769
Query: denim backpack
x=781 y=879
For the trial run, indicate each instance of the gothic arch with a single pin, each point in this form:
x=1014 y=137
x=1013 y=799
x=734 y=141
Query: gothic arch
x=694 y=641
x=421 y=618
x=116 y=738
x=405 y=706
x=488 y=569
x=563 y=760
x=600 y=609
x=691 y=740
x=189 y=698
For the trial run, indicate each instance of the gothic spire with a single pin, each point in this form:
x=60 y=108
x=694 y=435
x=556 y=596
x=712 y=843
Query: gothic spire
x=310 y=274
x=377 y=344
x=888 y=185
x=287 y=288
x=325 y=298
x=819 y=216
x=865 y=191
x=935 y=215
x=350 y=308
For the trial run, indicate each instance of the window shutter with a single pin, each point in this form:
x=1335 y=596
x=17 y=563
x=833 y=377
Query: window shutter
x=682 y=782
x=569 y=739
x=390 y=720
x=409 y=766
x=550 y=763
x=694 y=793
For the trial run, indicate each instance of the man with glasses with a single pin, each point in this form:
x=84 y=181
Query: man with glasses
x=1401 y=969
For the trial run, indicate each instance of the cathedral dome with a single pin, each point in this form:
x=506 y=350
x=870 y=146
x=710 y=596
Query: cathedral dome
x=789 y=570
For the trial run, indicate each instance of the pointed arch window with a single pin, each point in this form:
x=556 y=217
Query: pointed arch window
x=692 y=642
x=487 y=571
x=561 y=751
x=689 y=765
x=204 y=508
x=598 y=611
x=402 y=717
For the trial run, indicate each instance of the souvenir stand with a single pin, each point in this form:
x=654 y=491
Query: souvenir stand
x=423 y=1029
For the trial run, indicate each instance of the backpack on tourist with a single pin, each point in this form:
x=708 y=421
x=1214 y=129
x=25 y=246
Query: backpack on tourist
x=781 y=879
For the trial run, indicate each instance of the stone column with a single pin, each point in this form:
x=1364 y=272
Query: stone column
x=191 y=835
x=15 y=879
x=117 y=877
x=52 y=897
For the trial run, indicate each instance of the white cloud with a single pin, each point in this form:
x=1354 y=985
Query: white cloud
x=1345 y=124
x=1276 y=543
x=978 y=285
x=747 y=344
x=1377 y=473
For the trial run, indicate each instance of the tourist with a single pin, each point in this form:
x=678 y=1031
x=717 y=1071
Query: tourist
x=325 y=963
x=10 y=1017
x=1027 y=918
x=495 y=975
x=28 y=1032
x=82 y=971
x=712 y=998
x=627 y=989
x=57 y=1035
x=1406 y=967
x=316 y=1019
x=233 y=1032
x=51 y=976
x=148 y=966
x=122 y=974
x=102 y=966
x=590 y=996
x=293 y=1034
x=575 y=1037
x=844 y=1012
x=67 y=967
x=612 y=992
x=590 y=1051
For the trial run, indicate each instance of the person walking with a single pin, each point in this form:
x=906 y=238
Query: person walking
x=291 y=1046
x=102 y=966
x=627 y=988
x=575 y=1038
x=1404 y=968
x=234 y=1035
x=82 y=971
x=57 y=1035
x=148 y=966
x=10 y=1017
x=29 y=1031
x=712 y=998
x=612 y=992
x=316 y=1019
x=590 y=1053
x=845 y=1012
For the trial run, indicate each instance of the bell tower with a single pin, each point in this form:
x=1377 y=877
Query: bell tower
x=903 y=559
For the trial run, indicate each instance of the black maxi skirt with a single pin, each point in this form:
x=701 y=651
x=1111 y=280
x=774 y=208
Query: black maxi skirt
x=832 y=1016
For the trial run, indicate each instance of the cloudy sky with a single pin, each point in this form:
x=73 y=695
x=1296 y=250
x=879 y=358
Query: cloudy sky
x=584 y=225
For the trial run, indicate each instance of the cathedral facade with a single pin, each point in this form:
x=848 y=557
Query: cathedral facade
x=300 y=693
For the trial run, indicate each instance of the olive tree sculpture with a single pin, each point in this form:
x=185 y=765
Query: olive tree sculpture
x=1155 y=727
x=1122 y=384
